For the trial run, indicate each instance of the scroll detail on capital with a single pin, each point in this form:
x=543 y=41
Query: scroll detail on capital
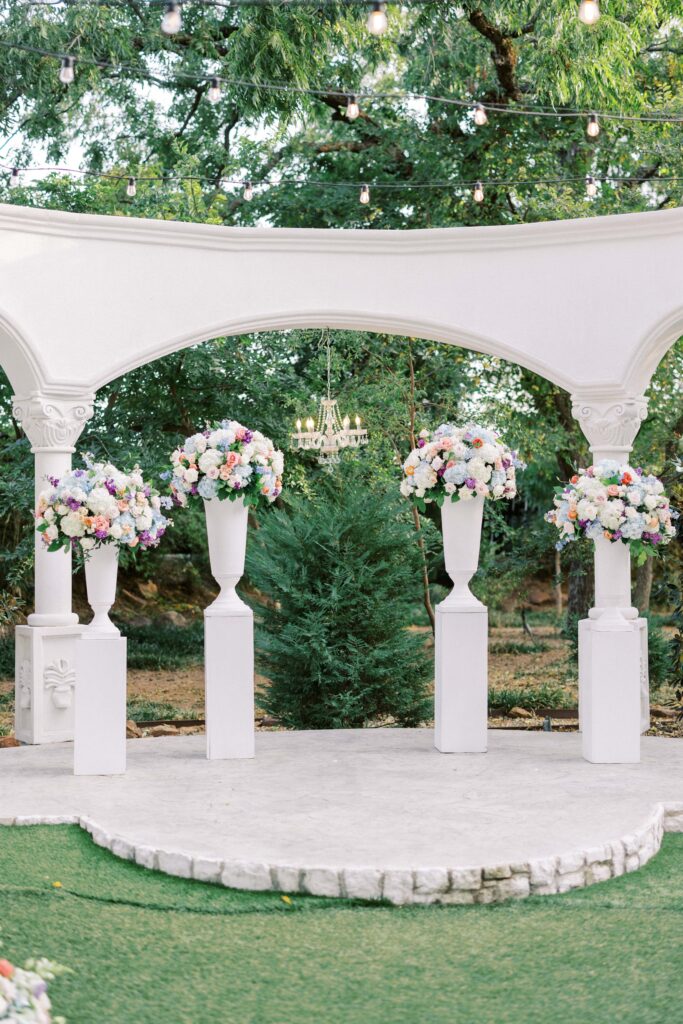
x=610 y=424
x=52 y=423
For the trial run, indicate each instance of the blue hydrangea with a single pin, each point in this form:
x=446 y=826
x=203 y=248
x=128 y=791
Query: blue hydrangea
x=456 y=474
x=207 y=488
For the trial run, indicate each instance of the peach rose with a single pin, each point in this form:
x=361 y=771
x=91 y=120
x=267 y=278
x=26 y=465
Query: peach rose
x=232 y=459
x=613 y=491
x=224 y=472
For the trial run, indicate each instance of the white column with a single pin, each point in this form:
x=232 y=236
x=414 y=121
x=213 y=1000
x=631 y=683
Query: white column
x=611 y=645
x=45 y=652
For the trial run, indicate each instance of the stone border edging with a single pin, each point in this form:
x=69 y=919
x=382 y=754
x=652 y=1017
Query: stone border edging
x=455 y=886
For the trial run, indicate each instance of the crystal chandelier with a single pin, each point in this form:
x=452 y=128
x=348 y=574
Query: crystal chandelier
x=331 y=433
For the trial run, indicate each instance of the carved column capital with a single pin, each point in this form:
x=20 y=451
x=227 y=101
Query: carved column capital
x=610 y=423
x=52 y=422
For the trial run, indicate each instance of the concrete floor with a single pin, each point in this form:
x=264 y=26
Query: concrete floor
x=381 y=798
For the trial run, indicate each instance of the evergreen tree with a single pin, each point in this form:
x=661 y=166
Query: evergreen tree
x=338 y=570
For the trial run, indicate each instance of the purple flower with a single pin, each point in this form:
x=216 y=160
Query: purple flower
x=54 y=481
x=111 y=486
x=39 y=989
x=248 y=436
x=639 y=470
x=101 y=534
x=470 y=483
x=421 y=443
x=236 y=484
x=79 y=472
x=616 y=535
x=506 y=463
x=147 y=491
x=440 y=472
x=73 y=504
x=193 y=489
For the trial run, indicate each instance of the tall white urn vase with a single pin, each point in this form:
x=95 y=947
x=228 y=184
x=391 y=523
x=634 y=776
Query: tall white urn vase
x=461 y=669
x=101 y=570
x=461 y=526
x=612 y=562
x=228 y=637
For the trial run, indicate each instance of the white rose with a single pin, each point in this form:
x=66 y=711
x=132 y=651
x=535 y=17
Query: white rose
x=116 y=531
x=210 y=458
x=406 y=488
x=199 y=442
x=61 y=510
x=498 y=490
x=72 y=525
x=651 y=501
x=449 y=488
x=191 y=475
x=52 y=533
x=49 y=515
x=437 y=462
x=278 y=463
x=466 y=494
x=87 y=543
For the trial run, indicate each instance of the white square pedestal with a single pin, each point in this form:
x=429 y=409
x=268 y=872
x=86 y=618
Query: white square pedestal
x=45 y=676
x=610 y=693
x=229 y=684
x=461 y=693
x=100 y=706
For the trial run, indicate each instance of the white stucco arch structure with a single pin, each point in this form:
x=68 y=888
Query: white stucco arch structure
x=591 y=304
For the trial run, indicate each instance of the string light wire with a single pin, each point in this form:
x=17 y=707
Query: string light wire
x=342 y=94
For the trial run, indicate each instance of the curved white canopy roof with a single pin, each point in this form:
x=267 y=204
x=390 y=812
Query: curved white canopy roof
x=590 y=304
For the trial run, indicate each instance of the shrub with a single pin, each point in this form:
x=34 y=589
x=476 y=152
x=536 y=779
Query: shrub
x=340 y=570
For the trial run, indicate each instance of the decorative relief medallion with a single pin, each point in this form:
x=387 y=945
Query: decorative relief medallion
x=60 y=679
x=52 y=423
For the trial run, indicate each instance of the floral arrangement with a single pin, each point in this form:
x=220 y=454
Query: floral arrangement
x=460 y=463
x=617 y=502
x=23 y=992
x=100 y=505
x=227 y=461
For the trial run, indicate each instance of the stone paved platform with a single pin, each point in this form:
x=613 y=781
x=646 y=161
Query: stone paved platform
x=375 y=813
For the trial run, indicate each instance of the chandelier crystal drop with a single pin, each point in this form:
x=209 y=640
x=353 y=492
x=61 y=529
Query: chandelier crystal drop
x=331 y=434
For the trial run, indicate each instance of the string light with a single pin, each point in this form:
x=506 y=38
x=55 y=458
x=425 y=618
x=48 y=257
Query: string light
x=131 y=188
x=480 y=115
x=248 y=193
x=352 y=108
x=172 y=21
x=377 y=20
x=364 y=195
x=478 y=192
x=591 y=187
x=396 y=95
x=589 y=11
x=592 y=128
x=14 y=178
x=66 y=72
x=214 y=93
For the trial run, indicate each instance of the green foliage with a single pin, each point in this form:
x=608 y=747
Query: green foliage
x=141 y=710
x=530 y=697
x=165 y=647
x=337 y=569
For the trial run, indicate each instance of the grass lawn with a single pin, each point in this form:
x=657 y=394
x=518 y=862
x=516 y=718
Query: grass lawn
x=149 y=949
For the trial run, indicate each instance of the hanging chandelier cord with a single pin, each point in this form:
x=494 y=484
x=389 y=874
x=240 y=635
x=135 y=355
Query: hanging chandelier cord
x=343 y=95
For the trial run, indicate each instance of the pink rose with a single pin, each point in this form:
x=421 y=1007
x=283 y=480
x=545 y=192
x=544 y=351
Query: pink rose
x=613 y=491
x=224 y=472
x=212 y=473
x=232 y=459
x=100 y=523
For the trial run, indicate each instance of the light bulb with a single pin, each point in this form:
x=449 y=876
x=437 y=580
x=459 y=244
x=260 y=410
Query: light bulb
x=352 y=108
x=214 y=93
x=365 y=195
x=346 y=423
x=377 y=20
x=480 y=115
x=66 y=72
x=14 y=178
x=593 y=128
x=589 y=11
x=131 y=187
x=248 y=193
x=172 y=20
x=309 y=424
x=591 y=187
x=357 y=422
x=478 y=192
x=298 y=426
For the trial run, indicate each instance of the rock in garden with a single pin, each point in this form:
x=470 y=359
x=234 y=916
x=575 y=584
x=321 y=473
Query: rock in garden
x=520 y=713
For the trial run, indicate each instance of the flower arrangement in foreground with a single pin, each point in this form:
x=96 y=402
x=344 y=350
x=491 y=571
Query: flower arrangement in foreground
x=23 y=992
x=616 y=502
x=100 y=505
x=227 y=461
x=460 y=463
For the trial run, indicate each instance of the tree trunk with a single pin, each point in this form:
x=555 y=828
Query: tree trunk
x=581 y=583
x=643 y=585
